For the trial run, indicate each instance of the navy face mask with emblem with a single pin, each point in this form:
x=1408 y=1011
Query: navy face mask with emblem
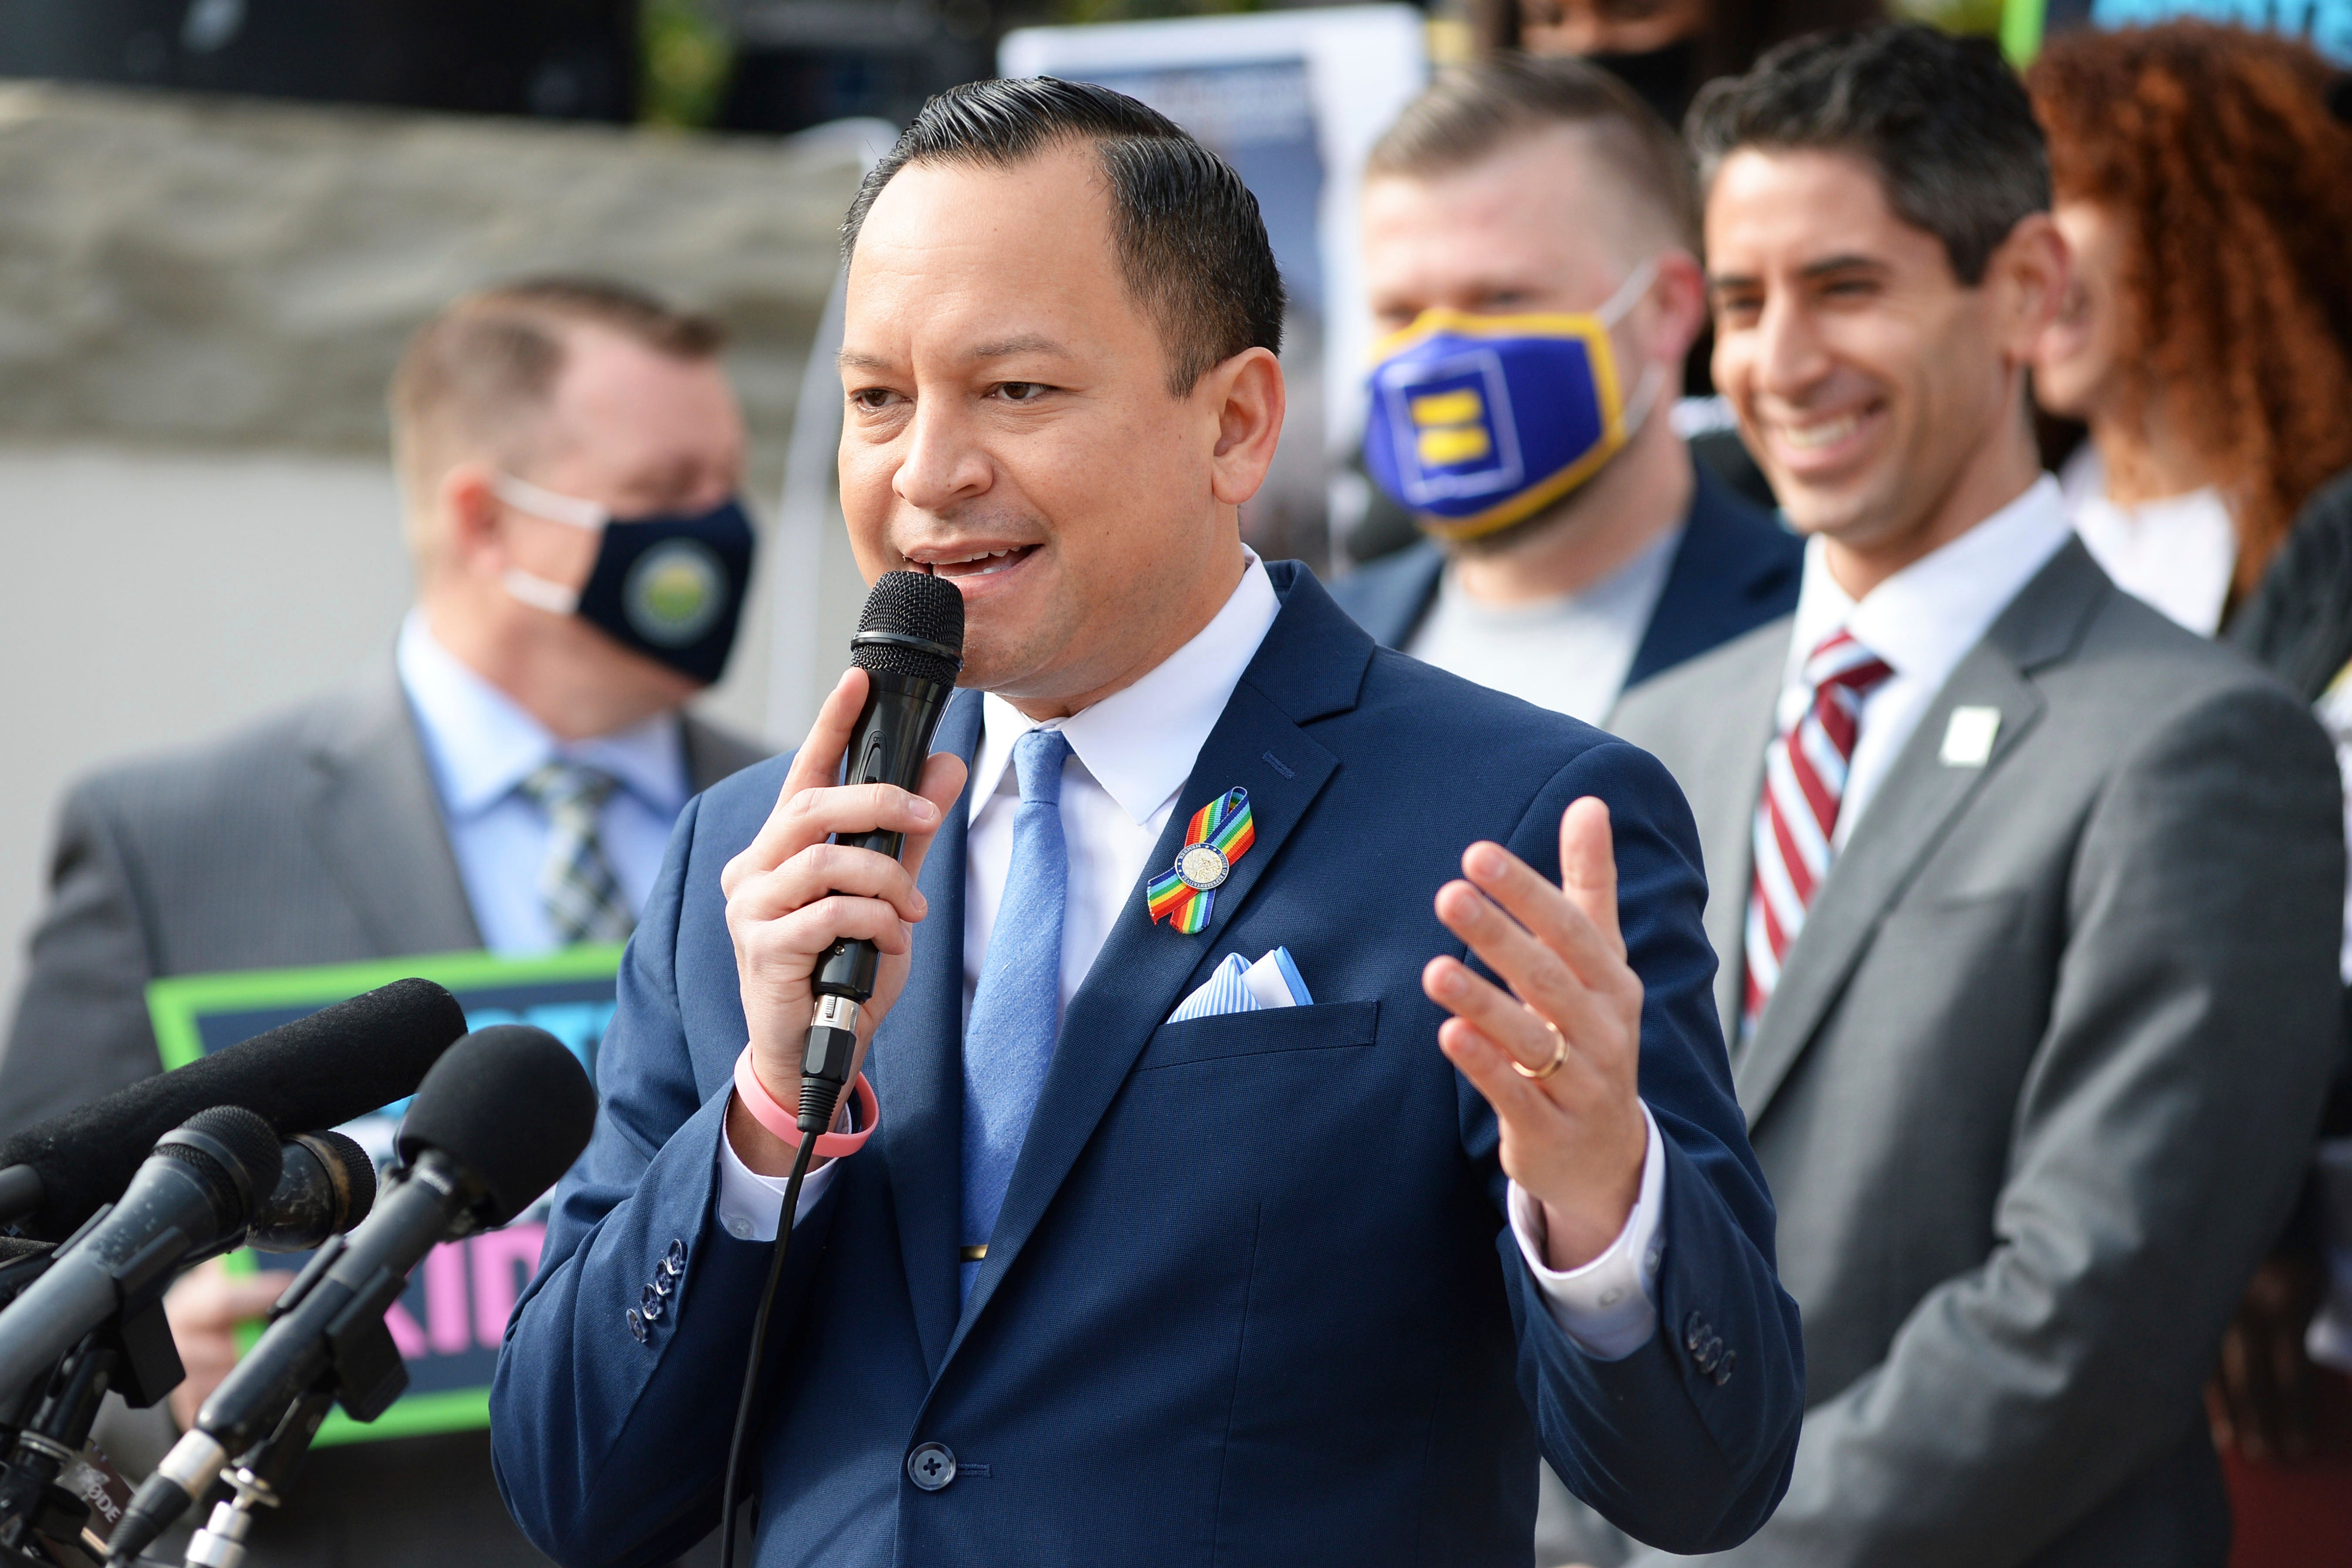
x=670 y=588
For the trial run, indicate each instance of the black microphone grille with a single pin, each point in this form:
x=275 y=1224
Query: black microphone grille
x=511 y=1105
x=913 y=626
x=241 y=1135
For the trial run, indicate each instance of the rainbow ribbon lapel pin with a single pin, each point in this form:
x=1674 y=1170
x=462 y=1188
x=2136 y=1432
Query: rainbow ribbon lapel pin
x=1219 y=834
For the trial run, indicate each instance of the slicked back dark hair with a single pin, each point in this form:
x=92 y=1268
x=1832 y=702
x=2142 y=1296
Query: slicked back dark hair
x=1191 y=246
x=1943 y=121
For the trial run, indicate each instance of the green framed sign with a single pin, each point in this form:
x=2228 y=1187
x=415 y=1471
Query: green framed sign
x=449 y=1322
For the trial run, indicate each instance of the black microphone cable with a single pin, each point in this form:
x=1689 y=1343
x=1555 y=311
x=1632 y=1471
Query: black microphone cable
x=910 y=642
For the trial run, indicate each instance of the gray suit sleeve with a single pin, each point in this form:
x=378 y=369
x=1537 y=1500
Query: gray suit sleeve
x=2159 y=1137
x=81 y=1029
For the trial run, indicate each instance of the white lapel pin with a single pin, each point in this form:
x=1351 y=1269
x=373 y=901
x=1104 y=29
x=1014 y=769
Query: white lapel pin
x=1968 y=739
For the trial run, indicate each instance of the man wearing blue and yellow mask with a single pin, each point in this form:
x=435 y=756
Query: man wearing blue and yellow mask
x=1528 y=239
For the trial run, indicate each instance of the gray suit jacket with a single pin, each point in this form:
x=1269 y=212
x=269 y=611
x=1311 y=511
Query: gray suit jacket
x=2038 y=1083
x=315 y=836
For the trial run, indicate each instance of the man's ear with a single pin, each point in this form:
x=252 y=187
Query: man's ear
x=1245 y=395
x=2027 y=274
x=1677 y=308
x=468 y=511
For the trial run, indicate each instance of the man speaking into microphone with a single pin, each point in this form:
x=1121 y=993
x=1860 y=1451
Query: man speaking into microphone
x=1192 y=1228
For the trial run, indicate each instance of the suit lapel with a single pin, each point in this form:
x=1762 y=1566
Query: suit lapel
x=1311 y=663
x=1913 y=809
x=1726 y=786
x=917 y=1066
x=375 y=815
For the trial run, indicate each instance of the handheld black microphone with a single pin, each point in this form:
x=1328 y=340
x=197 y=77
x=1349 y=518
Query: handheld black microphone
x=327 y=1186
x=909 y=643
x=344 y=1061
x=494 y=1124
x=191 y=1196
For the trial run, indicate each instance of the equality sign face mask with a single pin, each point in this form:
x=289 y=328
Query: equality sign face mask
x=671 y=588
x=1479 y=422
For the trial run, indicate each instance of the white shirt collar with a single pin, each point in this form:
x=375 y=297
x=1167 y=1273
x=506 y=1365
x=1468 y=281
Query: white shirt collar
x=482 y=744
x=1924 y=618
x=1140 y=743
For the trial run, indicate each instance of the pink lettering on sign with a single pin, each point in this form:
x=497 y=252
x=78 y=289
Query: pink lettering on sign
x=406 y=1337
x=504 y=1262
x=445 y=1321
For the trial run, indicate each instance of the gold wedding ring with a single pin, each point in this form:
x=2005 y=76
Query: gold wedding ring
x=1559 y=1055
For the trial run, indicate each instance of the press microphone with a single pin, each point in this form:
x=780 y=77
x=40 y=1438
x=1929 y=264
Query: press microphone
x=193 y=1196
x=327 y=1186
x=344 y=1061
x=493 y=1125
x=909 y=643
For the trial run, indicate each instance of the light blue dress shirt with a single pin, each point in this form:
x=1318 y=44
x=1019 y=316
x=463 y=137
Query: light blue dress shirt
x=481 y=745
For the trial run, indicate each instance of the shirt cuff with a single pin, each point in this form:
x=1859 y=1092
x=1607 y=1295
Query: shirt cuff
x=1609 y=1306
x=749 y=1203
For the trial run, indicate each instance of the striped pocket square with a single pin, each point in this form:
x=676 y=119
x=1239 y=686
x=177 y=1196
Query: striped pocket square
x=1238 y=987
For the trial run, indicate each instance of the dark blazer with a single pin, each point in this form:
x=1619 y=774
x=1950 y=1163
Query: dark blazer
x=2037 y=1084
x=314 y=836
x=1252 y=1297
x=1736 y=568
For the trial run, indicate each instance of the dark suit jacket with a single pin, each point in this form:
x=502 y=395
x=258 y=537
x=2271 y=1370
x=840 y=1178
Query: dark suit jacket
x=1252 y=1297
x=2037 y=1084
x=314 y=836
x=1736 y=568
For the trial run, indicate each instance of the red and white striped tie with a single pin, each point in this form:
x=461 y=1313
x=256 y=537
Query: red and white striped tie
x=1796 y=822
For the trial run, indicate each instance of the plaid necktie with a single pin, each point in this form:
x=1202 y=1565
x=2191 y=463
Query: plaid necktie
x=583 y=899
x=1796 y=822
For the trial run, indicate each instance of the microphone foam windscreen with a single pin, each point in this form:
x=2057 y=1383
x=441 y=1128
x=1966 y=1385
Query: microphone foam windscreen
x=512 y=1107
x=912 y=624
x=342 y=1062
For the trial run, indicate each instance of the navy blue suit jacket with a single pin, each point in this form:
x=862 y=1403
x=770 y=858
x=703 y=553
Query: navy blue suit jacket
x=1252 y=1297
x=1736 y=568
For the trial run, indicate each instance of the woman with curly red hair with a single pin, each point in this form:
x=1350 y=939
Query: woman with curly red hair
x=2203 y=180
x=2206 y=189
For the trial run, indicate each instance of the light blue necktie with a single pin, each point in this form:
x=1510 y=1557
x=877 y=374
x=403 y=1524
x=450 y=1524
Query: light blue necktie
x=1017 y=1009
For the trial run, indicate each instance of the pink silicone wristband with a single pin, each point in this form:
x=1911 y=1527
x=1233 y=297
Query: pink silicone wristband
x=785 y=1124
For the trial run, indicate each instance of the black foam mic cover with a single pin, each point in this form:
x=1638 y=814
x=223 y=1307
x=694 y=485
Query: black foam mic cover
x=344 y=1061
x=511 y=1106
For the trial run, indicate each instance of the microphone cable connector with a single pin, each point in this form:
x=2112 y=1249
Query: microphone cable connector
x=825 y=1061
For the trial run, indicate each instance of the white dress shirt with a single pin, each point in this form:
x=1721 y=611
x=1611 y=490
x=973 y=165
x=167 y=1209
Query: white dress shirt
x=2178 y=553
x=481 y=745
x=1129 y=756
x=1569 y=654
x=1922 y=621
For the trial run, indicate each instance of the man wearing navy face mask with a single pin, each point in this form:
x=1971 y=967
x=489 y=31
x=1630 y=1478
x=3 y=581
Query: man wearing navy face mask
x=569 y=453
x=1528 y=239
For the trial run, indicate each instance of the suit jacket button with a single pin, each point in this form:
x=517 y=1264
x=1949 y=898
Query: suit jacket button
x=676 y=1256
x=1722 y=1368
x=649 y=1305
x=1694 y=1332
x=636 y=1325
x=931 y=1467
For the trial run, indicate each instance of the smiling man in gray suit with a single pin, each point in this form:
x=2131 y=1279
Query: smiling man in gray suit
x=569 y=454
x=2025 y=899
